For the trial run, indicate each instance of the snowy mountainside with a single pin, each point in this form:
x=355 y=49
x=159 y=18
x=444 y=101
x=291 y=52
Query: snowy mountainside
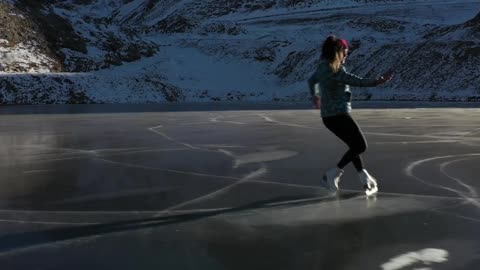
x=135 y=51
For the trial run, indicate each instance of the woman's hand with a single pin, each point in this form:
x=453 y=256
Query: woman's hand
x=385 y=77
x=316 y=102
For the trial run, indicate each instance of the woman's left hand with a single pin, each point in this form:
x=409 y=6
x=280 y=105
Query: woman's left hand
x=316 y=102
x=385 y=77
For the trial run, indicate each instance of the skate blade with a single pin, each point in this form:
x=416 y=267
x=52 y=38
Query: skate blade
x=372 y=191
x=331 y=190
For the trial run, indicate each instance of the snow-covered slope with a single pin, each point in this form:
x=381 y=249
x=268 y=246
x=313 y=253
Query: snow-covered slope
x=74 y=51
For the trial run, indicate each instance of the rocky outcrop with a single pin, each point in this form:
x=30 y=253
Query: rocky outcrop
x=19 y=35
x=40 y=89
x=222 y=27
x=297 y=66
x=175 y=24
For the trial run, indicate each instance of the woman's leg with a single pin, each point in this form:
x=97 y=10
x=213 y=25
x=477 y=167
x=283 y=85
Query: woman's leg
x=345 y=128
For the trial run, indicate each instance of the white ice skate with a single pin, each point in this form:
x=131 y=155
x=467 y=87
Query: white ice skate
x=369 y=183
x=331 y=178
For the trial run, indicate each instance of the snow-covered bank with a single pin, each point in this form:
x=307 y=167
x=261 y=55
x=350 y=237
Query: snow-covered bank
x=170 y=51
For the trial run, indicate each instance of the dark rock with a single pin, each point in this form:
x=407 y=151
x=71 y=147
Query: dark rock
x=78 y=97
x=175 y=24
x=226 y=27
x=265 y=54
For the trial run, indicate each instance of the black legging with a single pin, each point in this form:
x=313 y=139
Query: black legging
x=345 y=128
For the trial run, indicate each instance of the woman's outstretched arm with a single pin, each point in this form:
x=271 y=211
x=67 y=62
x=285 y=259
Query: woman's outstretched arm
x=354 y=80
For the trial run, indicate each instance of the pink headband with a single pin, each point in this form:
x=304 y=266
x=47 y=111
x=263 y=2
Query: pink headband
x=344 y=43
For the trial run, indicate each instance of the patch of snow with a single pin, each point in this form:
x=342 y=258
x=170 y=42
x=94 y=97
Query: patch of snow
x=25 y=57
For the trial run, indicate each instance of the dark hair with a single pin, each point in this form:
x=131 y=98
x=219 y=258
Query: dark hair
x=331 y=46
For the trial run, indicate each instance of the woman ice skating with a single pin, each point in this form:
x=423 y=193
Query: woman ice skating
x=330 y=90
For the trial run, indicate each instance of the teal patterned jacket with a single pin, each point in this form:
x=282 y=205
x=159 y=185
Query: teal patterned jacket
x=334 y=89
